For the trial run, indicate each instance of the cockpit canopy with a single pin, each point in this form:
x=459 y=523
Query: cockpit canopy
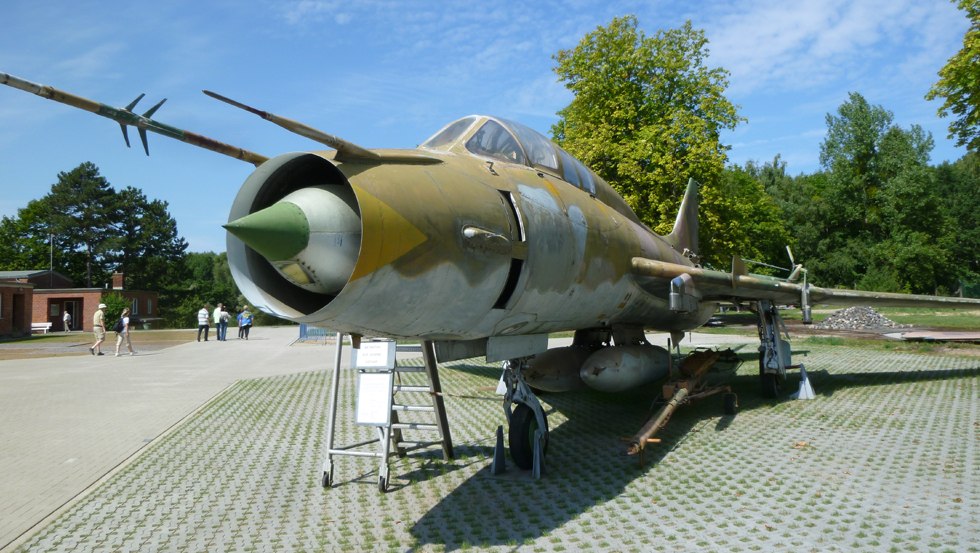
x=512 y=142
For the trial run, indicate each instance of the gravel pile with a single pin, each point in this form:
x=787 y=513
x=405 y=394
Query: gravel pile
x=857 y=318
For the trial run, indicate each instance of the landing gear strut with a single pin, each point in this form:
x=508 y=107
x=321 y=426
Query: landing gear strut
x=528 y=434
x=774 y=351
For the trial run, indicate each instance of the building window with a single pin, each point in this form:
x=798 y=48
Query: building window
x=135 y=309
x=149 y=306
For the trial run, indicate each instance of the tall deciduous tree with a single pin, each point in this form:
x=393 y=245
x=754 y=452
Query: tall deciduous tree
x=884 y=226
x=646 y=115
x=957 y=184
x=849 y=153
x=959 y=84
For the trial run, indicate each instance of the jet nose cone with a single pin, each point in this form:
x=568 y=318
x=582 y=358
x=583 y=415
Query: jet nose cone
x=311 y=236
x=278 y=232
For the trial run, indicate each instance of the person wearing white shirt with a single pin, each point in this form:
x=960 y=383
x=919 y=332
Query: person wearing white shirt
x=123 y=335
x=202 y=323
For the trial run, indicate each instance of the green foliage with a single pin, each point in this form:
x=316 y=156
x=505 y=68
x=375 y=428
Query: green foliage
x=148 y=243
x=115 y=303
x=959 y=85
x=646 y=115
x=95 y=231
x=77 y=214
x=208 y=283
x=879 y=217
x=957 y=185
x=739 y=217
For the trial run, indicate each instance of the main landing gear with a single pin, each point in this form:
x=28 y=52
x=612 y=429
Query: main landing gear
x=774 y=350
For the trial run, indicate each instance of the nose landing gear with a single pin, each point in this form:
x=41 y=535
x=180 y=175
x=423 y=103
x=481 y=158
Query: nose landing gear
x=528 y=424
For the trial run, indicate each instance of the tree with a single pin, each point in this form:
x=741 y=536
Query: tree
x=208 y=282
x=956 y=185
x=148 y=242
x=115 y=303
x=87 y=231
x=96 y=231
x=959 y=85
x=850 y=154
x=81 y=210
x=742 y=218
x=914 y=252
x=646 y=114
x=881 y=223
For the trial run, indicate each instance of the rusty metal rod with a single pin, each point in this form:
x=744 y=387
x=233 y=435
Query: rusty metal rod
x=658 y=421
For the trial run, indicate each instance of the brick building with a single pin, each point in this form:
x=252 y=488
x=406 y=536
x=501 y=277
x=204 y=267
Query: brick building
x=54 y=293
x=15 y=308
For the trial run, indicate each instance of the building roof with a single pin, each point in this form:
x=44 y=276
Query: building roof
x=10 y=275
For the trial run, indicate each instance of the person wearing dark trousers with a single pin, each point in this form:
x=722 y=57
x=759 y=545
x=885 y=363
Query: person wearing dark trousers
x=203 y=317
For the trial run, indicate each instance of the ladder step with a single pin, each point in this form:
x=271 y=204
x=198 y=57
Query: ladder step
x=408 y=369
x=419 y=445
x=416 y=408
x=406 y=388
x=414 y=426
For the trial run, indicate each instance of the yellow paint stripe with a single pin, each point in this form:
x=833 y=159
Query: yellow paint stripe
x=385 y=235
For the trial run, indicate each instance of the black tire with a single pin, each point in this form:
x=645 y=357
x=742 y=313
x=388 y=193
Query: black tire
x=523 y=424
x=382 y=484
x=771 y=385
x=730 y=403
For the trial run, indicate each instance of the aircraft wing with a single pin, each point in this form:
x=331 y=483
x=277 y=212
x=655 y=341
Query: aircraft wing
x=713 y=285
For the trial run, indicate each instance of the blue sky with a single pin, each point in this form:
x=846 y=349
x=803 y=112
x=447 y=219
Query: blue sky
x=389 y=74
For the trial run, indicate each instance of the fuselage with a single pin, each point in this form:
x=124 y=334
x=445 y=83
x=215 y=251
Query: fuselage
x=485 y=230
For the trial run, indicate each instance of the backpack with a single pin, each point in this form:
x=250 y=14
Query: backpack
x=119 y=325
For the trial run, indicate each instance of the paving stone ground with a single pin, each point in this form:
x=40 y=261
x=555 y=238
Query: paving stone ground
x=885 y=459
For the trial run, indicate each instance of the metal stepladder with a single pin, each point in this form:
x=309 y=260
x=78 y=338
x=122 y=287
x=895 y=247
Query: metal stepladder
x=381 y=396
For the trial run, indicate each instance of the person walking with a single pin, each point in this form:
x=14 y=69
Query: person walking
x=202 y=323
x=98 y=329
x=66 y=320
x=123 y=333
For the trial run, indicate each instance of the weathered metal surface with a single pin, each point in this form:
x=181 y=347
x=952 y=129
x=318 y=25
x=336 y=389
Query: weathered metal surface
x=619 y=368
x=125 y=117
x=718 y=285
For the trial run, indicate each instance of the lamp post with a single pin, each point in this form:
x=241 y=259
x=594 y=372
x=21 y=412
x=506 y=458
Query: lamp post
x=51 y=260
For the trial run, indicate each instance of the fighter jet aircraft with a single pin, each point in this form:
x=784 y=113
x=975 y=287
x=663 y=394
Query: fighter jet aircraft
x=483 y=240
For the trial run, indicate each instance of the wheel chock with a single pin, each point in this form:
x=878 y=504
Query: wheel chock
x=498 y=466
x=806 y=390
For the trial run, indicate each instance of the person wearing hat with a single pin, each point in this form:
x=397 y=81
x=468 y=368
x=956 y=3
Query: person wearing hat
x=98 y=328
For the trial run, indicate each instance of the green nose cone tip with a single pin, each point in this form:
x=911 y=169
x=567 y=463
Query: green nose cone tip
x=278 y=232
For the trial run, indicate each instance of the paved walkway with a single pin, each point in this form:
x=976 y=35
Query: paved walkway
x=65 y=422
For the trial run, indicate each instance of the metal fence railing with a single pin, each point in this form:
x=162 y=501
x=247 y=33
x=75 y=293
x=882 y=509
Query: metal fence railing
x=311 y=333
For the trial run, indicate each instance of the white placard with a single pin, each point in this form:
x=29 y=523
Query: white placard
x=375 y=355
x=373 y=398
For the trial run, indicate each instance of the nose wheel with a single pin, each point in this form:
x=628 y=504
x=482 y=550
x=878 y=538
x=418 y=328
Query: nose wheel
x=524 y=431
x=528 y=425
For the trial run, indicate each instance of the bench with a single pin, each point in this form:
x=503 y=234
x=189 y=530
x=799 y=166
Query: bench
x=42 y=327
